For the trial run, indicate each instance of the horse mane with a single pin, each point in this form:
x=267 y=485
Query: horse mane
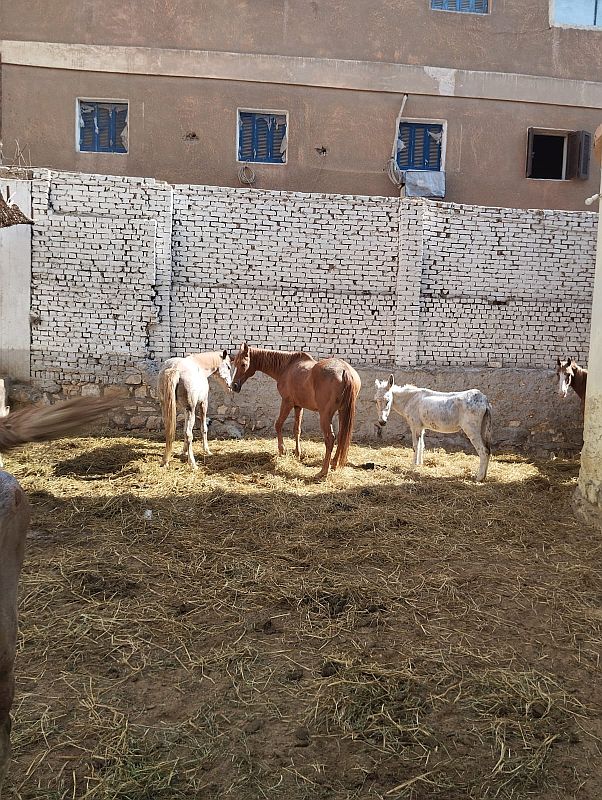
x=275 y=360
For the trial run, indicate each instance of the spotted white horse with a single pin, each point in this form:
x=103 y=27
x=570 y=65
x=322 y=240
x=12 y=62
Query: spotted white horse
x=443 y=412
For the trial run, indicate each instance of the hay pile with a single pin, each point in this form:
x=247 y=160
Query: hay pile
x=245 y=632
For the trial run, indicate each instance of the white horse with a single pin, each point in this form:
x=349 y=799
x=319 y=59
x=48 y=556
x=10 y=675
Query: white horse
x=444 y=412
x=184 y=381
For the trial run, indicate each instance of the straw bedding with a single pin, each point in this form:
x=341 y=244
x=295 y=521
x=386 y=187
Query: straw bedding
x=245 y=632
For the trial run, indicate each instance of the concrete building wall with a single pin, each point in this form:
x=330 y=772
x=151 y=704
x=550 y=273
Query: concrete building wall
x=514 y=37
x=338 y=69
x=485 y=160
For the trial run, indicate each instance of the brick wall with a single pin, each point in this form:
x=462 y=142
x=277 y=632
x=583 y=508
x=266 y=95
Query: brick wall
x=126 y=271
x=505 y=287
x=284 y=270
x=101 y=266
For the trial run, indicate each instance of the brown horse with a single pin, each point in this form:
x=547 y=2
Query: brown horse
x=325 y=386
x=571 y=374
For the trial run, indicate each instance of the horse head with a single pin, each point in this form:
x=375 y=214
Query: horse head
x=565 y=370
x=383 y=398
x=242 y=367
x=223 y=372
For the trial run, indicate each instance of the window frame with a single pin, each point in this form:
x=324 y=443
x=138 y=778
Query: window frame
x=571 y=25
x=423 y=121
x=113 y=101
x=459 y=11
x=265 y=112
x=565 y=152
x=571 y=161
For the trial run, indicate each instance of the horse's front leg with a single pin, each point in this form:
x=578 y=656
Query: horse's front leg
x=483 y=452
x=328 y=433
x=285 y=410
x=298 y=420
x=203 y=419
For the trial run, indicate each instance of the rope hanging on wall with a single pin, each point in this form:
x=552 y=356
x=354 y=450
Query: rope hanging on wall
x=12 y=215
x=246 y=175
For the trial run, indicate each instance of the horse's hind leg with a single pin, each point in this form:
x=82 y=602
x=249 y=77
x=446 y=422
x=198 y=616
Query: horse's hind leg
x=188 y=428
x=328 y=433
x=482 y=451
x=298 y=420
x=203 y=419
x=420 y=448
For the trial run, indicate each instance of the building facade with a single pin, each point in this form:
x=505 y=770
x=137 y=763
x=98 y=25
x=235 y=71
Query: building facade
x=490 y=102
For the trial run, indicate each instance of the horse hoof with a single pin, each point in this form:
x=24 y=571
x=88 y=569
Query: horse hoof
x=208 y=452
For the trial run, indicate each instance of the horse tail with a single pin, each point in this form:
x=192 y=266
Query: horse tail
x=346 y=418
x=167 y=396
x=486 y=428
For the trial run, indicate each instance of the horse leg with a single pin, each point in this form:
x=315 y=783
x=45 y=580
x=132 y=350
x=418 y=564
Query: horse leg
x=328 y=433
x=420 y=448
x=415 y=445
x=483 y=452
x=203 y=419
x=297 y=430
x=285 y=410
x=188 y=428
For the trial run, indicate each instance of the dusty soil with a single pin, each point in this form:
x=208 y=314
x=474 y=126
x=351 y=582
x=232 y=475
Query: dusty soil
x=245 y=632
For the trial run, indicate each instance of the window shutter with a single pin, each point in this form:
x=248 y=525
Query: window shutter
x=585 y=151
x=86 y=132
x=440 y=5
x=403 y=147
x=245 y=138
x=262 y=139
x=530 y=134
x=120 y=145
x=578 y=154
x=103 y=121
x=279 y=132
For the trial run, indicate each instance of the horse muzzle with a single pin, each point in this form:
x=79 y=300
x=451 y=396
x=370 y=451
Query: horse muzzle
x=236 y=387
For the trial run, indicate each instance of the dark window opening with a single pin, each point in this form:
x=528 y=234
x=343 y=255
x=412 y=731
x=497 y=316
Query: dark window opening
x=547 y=159
x=558 y=156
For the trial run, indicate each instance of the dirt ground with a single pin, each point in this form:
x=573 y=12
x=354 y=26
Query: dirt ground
x=245 y=632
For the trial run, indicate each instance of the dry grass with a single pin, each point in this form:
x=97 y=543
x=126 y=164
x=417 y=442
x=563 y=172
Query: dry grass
x=245 y=632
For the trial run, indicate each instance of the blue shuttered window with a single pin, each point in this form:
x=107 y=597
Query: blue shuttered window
x=419 y=146
x=262 y=137
x=103 y=127
x=466 y=6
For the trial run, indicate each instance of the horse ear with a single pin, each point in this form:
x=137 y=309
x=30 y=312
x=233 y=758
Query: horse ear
x=391 y=379
x=224 y=355
x=557 y=362
x=244 y=347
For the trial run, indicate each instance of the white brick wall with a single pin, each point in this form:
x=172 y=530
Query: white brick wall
x=505 y=286
x=126 y=271
x=284 y=270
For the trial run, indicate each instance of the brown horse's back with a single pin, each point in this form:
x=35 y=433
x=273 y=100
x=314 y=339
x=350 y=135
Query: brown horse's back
x=328 y=372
